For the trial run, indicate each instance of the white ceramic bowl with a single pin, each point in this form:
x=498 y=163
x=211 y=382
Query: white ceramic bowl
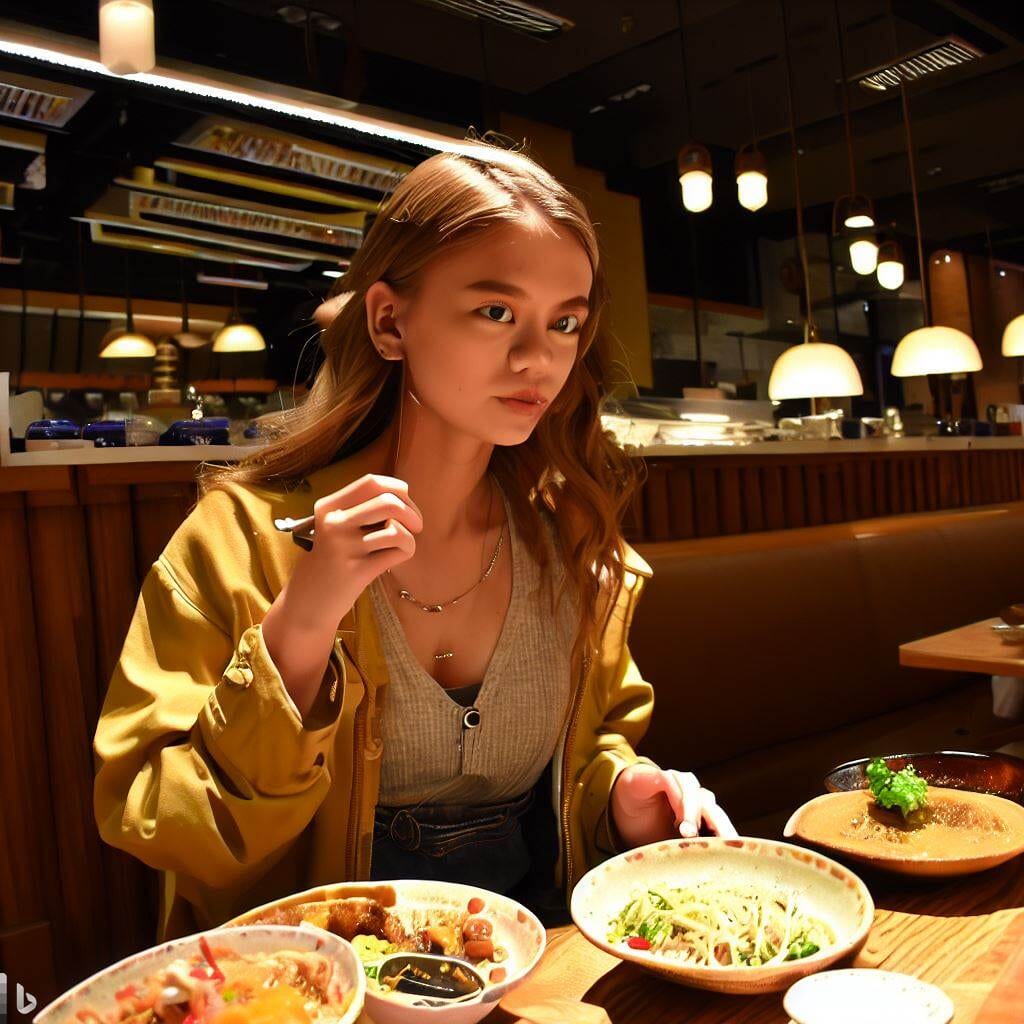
x=515 y=928
x=98 y=991
x=825 y=890
x=866 y=994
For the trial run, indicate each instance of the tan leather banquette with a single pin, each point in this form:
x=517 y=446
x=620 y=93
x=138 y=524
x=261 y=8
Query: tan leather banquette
x=774 y=656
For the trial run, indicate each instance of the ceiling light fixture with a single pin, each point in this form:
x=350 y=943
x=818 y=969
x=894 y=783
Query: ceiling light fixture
x=750 y=168
x=693 y=161
x=127 y=41
x=931 y=349
x=125 y=342
x=854 y=210
x=891 y=271
x=31 y=43
x=813 y=369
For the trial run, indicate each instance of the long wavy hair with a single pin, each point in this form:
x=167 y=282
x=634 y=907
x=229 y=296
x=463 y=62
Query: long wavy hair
x=569 y=471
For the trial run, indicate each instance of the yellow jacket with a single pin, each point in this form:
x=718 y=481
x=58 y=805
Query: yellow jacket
x=206 y=772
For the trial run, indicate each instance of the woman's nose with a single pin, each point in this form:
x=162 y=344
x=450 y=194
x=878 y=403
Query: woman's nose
x=533 y=347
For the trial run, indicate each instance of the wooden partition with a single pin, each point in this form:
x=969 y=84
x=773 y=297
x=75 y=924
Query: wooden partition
x=76 y=542
x=712 y=495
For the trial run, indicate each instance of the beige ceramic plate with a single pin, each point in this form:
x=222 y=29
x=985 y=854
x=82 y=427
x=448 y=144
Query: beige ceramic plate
x=824 y=889
x=97 y=993
x=962 y=832
x=514 y=928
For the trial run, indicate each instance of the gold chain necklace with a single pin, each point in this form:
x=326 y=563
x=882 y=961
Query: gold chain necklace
x=405 y=595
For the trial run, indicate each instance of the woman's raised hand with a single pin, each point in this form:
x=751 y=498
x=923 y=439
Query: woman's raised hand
x=360 y=531
x=649 y=803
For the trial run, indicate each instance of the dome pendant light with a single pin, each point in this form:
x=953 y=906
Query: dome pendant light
x=125 y=342
x=931 y=349
x=813 y=369
x=127 y=42
x=185 y=338
x=236 y=335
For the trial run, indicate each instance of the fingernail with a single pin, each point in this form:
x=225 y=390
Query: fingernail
x=687 y=830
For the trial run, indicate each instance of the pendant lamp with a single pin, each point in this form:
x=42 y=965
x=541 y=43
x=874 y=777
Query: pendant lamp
x=127 y=41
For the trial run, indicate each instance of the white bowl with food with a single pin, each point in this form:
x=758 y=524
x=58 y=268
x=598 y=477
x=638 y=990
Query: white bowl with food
x=740 y=916
x=430 y=950
x=224 y=976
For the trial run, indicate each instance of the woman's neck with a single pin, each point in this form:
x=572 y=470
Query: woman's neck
x=446 y=473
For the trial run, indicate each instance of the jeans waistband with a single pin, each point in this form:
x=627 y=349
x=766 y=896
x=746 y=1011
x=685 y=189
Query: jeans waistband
x=435 y=830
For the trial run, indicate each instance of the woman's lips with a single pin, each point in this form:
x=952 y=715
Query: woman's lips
x=523 y=408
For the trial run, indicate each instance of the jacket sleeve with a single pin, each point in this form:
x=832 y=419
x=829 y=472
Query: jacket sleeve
x=626 y=702
x=204 y=766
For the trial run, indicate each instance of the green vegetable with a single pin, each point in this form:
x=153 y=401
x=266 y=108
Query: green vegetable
x=369 y=948
x=904 y=789
x=801 y=947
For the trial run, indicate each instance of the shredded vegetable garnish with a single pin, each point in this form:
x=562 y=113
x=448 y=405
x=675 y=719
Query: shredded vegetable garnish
x=720 y=926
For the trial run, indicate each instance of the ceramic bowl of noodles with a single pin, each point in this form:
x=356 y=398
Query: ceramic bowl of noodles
x=225 y=976
x=431 y=950
x=740 y=916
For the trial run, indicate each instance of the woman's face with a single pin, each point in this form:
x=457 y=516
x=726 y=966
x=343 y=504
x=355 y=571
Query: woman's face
x=499 y=315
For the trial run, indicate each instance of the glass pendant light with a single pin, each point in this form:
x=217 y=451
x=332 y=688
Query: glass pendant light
x=853 y=211
x=127 y=42
x=751 y=168
x=891 y=271
x=864 y=254
x=695 y=181
x=693 y=161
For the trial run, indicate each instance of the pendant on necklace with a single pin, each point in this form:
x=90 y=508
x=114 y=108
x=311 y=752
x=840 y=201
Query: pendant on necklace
x=442 y=655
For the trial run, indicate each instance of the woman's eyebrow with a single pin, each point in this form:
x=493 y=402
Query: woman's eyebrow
x=507 y=288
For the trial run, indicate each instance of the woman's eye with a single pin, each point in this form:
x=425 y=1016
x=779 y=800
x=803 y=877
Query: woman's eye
x=565 y=325
x=499 y=319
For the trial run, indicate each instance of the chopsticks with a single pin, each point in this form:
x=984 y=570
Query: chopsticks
x=301 y=529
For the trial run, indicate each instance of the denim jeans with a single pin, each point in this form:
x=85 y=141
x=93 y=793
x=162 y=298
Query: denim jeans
x=481 y=845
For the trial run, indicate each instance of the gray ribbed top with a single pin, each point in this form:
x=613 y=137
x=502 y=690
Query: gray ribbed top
x=522 y=701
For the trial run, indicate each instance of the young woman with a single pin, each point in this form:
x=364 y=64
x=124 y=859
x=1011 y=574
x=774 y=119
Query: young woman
x=438 y=683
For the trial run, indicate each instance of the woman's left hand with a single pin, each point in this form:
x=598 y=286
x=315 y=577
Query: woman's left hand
x=649 y=803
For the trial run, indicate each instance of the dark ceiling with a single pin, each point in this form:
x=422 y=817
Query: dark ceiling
x=410 y=56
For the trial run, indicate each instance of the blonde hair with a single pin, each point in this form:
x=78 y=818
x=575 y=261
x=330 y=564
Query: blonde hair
x=568 y=470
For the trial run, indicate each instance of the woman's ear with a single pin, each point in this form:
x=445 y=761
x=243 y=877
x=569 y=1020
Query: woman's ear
x=383 y=311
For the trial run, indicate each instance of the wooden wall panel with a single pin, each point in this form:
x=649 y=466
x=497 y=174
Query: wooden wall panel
x=67 y=676
x=29 y=879
x=80 y=542
x=709 y=495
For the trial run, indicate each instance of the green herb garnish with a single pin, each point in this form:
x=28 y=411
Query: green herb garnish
x=904 y=789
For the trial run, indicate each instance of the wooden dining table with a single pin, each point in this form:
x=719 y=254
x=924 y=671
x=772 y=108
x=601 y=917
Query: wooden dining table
x=971 y=648
x=965 y=935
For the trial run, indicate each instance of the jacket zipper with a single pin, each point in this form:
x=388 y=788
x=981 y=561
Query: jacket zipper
x=567 y=868
x=566 y=760
x=358 y=769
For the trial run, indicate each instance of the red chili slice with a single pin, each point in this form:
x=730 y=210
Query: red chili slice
x=636 y=942
x=128 y=992
x=218 y=974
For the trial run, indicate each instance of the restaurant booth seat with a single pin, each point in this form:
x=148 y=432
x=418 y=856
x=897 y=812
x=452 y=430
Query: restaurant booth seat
x=774 y=656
